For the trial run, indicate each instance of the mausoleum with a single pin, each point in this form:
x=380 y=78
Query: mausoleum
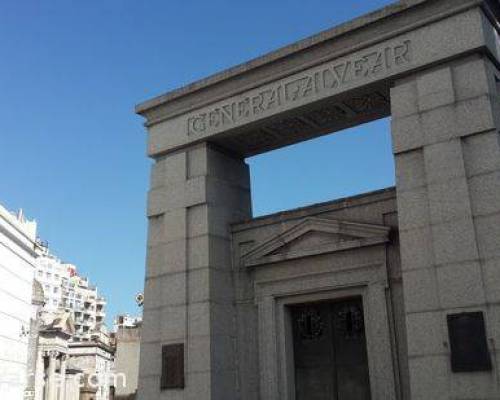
x=393 y=294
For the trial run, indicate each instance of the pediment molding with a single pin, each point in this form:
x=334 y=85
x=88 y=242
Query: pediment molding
x=332 y=236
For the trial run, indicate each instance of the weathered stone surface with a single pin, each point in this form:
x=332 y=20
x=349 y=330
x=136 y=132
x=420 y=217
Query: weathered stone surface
x=460 y=285
x=448 y=201
x=482 y=153
x=491 y=272
x=444 y=161
x=410 y=171
x=166 y=258
x=427 y=330
x=427 y=372
x=435 y=89
x=415 y=201
x=414 y=240
x=421 y=291
x=404 y=99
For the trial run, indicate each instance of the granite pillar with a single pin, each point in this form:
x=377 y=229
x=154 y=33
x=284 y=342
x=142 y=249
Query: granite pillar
x=195 y=195
x=62 y=378
x=51 y=388
x=446 y=145
x=39 y=375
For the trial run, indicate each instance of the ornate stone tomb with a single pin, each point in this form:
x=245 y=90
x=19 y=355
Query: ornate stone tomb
x=223 y=284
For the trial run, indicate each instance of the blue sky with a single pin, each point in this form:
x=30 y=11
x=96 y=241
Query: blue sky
x=72 y=151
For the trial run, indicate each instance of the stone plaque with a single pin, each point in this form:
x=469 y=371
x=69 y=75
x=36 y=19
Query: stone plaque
x=172 y=366
x=469 y=347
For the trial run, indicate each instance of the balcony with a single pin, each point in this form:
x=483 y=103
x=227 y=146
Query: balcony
x=101 y=301
x=85 y=336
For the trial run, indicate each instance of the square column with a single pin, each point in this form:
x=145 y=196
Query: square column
x=195 y=195
x=446 y=145
x=51 y=391
x=62 y=378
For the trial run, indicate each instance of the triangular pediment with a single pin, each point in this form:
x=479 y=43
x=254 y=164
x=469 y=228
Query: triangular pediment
x=61 y=322
x=314 y=236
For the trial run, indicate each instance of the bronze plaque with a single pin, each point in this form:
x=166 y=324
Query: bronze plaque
x=172 y=366
x=469 y=347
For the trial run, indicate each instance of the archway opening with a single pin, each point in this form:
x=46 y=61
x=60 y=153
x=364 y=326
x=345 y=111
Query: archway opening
x=343 y=164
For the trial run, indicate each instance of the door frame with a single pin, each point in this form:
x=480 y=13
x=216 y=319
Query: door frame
x=277 y=366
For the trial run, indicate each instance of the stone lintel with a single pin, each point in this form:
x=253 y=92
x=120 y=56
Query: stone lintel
x=292 y=49
x=329 y=82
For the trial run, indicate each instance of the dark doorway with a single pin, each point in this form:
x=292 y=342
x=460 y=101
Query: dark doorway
x=330 y=351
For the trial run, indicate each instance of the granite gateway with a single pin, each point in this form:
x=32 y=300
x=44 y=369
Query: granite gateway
x=393 y=294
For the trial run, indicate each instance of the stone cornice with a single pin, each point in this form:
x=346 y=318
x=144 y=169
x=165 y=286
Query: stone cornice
x=315 y=210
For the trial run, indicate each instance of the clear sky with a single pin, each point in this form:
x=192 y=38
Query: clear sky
x=72 y=151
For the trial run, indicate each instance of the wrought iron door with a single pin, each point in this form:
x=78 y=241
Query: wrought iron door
x=330 y=351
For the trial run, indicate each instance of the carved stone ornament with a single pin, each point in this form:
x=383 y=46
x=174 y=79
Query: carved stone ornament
x=349 y=321
x=310 y=325
x=314 y=236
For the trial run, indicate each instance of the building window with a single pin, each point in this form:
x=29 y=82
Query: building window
x=56 y=289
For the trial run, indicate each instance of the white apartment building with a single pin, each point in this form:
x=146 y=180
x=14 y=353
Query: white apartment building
x=88 y=308
x=65 y=290
x=17 y=266
x=53 y=275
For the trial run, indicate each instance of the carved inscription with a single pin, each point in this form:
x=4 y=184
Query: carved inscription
x=329 y=78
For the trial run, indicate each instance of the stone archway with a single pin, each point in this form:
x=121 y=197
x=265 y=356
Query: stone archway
x=430 y=64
